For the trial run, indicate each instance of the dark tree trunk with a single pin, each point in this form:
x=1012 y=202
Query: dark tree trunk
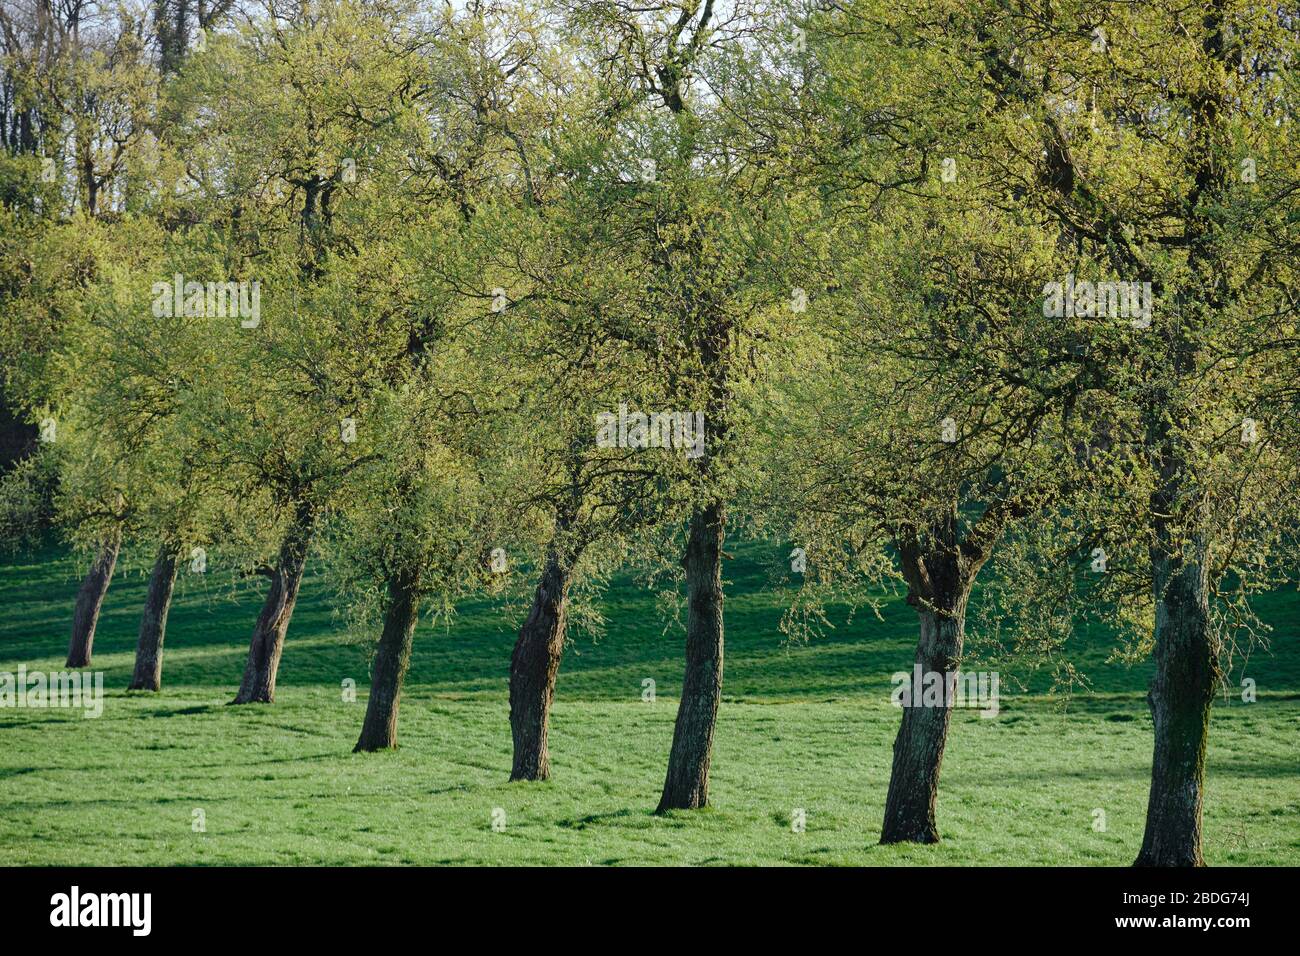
x=392 y=657
x=267 y=644
x=90 y=598
x=533 y=666
x=1181 y=693
x=171 y=18
x=1186 y=651
x=17 y=436
x=687 y=784
x=940 y=568
x=923 y=734
x=153 y=622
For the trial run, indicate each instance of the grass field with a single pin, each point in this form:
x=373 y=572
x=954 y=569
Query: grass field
x=808 y=727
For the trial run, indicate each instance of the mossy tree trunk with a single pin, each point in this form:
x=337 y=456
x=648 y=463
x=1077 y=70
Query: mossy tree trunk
x=1182 y=690
x=90 y=599
x=923 y=734
x=535 y=663
x=686 y=786
x=392 y=658
x=940 y=568
x=153 y=620
x=267 y=644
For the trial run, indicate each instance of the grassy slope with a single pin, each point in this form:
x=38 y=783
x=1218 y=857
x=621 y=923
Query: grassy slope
x=806 y=727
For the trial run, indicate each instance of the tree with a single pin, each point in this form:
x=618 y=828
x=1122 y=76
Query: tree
x=76 y=73
x=48 y=310
x=449 y=478
x=137 y=365
x=912 y=438
x=1158 y=147
x=577 y=346
x=276 y=170
x=173 y=20
x=701 y=216
x=425 y=545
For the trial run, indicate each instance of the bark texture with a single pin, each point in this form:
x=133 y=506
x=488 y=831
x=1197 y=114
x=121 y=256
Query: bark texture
x=1182 y=690
x=90 y=598
x=533 y=667
x=258 y=685
x=687 y=784
x=153 y=621
x=922 y=737
x=392 y=657
x=940 y=577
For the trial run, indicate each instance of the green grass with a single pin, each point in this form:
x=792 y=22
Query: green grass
x=805 y=727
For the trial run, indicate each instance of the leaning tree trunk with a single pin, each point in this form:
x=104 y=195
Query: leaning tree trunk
x=153 y=622
x=687 y=784
x=392 y=657
x=533 y=666
x=1181 y=693
x=267 y=645
x=90 y=598
x=923 y=733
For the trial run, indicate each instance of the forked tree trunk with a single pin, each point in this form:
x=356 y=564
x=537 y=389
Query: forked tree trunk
x=267 y=645
x=153 y=621
x=923 y=733
x=533 y=666
x=687 y=784
x=1182 y=690
x=940 y=567
x=392 y=657
x=90 y=598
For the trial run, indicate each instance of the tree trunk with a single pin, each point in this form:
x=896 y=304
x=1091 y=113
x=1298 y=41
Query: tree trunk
x=90 y=598
x=392 y=657
x=267 y=644
x=1181 y=693
x=1186 y=652
x=172 y=25
x=533 y=666
x=687 y=784
x=940 y=567
x=153 y=622
x=923 y=733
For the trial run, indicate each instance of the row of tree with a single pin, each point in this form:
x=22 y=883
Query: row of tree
x=966 y=285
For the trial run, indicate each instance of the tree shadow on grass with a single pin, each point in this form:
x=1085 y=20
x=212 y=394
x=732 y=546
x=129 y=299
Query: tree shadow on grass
x=17 y=771
x=595 y=819
x=1233 y=768
x=182 y=711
